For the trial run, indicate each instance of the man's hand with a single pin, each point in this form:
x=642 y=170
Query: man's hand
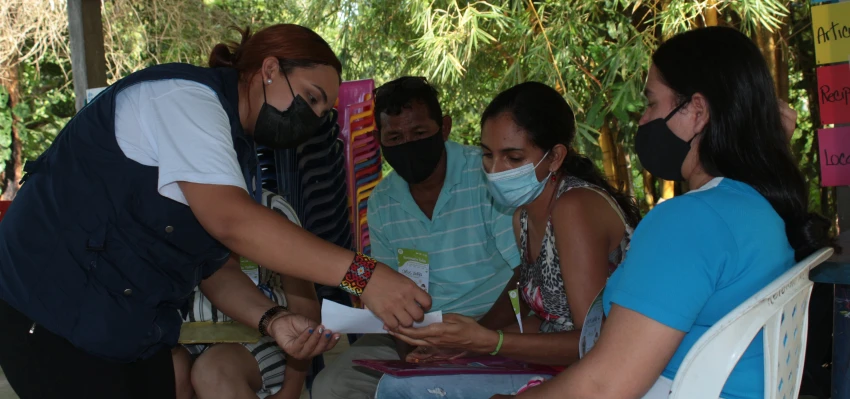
x=301 y=337
x=394 y=298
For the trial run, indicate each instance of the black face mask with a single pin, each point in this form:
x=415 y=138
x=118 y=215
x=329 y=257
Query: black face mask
x=414 y=161
x=286 y=129
x=660 y=151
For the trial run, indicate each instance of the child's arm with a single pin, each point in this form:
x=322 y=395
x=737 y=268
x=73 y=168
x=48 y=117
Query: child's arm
x=300 y=299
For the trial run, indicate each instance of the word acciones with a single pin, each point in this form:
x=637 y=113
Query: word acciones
x=839 y=95
x=834 y=32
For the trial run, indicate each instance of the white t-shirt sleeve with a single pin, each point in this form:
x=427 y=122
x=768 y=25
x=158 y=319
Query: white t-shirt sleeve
x=183 y=129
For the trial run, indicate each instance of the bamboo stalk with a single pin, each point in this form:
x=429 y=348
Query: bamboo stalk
x=609 y=156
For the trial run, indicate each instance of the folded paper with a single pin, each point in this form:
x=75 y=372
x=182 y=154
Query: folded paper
x=345 y=320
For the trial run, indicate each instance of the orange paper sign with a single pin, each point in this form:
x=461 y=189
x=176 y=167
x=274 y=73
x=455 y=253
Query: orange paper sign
x=834 y=94
x=834 y=156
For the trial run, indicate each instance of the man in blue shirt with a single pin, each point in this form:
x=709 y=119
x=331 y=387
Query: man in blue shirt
x=434 y=208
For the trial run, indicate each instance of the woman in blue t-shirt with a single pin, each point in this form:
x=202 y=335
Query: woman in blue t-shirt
x=712 y=121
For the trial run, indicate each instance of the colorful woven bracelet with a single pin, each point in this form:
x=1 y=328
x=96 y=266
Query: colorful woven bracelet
x=358 y=274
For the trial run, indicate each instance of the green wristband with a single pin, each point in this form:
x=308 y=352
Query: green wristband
x=499 y=345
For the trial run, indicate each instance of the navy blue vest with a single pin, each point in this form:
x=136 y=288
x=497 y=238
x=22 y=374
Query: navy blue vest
x=91 y=251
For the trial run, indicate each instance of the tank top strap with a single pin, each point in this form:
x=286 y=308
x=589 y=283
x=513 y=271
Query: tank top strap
x=573 y=182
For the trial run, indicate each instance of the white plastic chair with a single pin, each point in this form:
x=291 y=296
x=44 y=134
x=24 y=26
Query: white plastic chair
x=781 y=309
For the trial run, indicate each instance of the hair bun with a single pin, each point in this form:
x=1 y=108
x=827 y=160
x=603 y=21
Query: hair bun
x=227 y=55
x=221 y=56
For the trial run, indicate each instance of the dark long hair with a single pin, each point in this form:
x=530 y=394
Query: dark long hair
x=548 y=121
x=743 y=139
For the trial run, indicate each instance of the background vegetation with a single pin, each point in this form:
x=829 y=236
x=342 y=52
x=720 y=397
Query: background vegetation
x=596 y=53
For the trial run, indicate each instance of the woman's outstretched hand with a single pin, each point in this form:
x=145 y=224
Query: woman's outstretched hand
x=301 y=337
x=455 y=332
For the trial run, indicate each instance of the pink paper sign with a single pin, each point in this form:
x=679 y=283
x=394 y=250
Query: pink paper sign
x=834 y=156
x=834 y=94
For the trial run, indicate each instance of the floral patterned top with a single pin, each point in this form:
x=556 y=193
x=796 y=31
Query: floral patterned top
x=541 y=283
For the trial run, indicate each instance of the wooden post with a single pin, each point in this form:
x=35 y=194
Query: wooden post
x=88 y=59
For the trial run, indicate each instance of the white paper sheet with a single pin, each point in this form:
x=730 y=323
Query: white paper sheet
x=345 y=320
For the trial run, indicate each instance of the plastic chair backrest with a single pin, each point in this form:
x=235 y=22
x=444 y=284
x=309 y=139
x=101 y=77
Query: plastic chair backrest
x=781 y=310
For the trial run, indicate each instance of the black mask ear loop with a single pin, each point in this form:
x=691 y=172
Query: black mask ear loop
x=673 y=113
x=675 y=110
x=287 y=82
x=264 y=92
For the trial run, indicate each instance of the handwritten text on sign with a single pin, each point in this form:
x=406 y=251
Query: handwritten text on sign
x=831 y=24
x=834 y=93
x=834 y=156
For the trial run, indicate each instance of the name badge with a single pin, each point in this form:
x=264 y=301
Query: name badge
x=251 y=269
x=592 y=326
x=415 y=265
x=514 y=296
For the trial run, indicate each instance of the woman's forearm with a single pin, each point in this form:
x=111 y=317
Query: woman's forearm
x=232 y=291
x=287 y=248
x=301 y=297
x=264 y=236
x=555 y=349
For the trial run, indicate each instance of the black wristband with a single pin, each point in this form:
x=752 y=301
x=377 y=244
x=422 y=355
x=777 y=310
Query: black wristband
x=267 y=317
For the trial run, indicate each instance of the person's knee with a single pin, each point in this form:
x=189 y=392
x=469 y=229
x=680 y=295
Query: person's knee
x=221 y=368
x=323 y=382
x=208 y=375
x=182 y=372
x=402 y=388
x=333 y=381
x=388 y=387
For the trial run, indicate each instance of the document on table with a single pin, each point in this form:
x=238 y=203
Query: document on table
x=345 y=320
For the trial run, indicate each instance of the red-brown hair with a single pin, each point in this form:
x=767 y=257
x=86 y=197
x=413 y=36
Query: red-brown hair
x=293 y=45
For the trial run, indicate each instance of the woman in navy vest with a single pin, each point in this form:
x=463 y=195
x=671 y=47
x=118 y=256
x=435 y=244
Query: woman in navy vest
x=150 y=190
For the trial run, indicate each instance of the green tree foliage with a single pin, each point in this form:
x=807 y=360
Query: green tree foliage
x=596 y=53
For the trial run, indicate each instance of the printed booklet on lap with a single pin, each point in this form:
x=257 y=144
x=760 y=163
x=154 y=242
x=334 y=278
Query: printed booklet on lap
x=465 y=365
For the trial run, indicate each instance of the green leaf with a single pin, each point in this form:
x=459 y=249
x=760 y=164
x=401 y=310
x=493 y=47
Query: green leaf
x=22 y=111
x=593 y=117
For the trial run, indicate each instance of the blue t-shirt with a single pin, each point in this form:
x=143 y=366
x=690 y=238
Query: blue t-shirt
x=696 y=257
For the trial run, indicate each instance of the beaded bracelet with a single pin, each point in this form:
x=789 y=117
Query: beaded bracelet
x=263 y=326
x=358 y=274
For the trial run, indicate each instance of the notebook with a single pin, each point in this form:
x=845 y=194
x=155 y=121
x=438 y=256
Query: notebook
x=465 y=365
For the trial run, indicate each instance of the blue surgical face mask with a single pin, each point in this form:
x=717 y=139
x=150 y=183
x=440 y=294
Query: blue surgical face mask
x=518 y=186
